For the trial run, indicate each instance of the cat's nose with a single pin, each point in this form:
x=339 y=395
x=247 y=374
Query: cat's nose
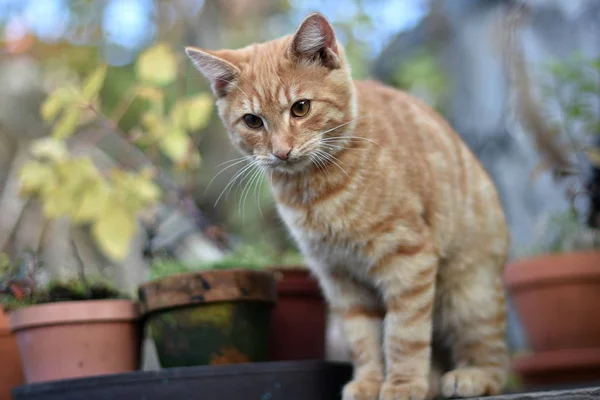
x=282 y=154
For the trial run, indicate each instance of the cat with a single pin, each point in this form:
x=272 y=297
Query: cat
x=393 y=214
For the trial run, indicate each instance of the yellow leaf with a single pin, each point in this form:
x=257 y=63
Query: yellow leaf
x=66 y=125
x=137 y=190
x=153 y=124
x=593 y=156
x=114 y=231
x=191 y=161
x=94 y=203
x=199 y=112
x=49 y=148
x=149 y=92
x=34 y=176
x=178 y=115
x=56 y=201
x=157 y=65
x=94 y=82
x=155 y=96
x=55 y=102
x=146 y=190
x=175 y=144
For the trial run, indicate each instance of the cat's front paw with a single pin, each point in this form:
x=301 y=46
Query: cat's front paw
x=362 y=389
x=471 y=382
x=415 y=390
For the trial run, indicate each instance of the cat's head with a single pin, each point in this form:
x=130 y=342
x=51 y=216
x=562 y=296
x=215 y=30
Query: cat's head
x=284 y=102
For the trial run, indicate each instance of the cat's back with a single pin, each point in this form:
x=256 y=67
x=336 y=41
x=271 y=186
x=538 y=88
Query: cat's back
x=437 y=166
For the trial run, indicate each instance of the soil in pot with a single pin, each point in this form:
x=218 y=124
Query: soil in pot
x=69 y=339
x=557 y=298
x=10 y=364
x=298 y=327
x=210 y=317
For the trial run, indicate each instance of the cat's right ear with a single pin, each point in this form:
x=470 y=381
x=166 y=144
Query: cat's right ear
x=315 y=41
x=220 y=73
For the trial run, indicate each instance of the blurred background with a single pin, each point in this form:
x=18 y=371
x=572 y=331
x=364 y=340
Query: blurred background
x=490 y=66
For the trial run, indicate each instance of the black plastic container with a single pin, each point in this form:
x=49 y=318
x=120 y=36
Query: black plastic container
x=288 y=380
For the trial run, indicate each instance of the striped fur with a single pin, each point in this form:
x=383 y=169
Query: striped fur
x=394 y=215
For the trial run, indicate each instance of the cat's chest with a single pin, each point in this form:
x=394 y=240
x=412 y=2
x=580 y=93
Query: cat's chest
x=323 y=236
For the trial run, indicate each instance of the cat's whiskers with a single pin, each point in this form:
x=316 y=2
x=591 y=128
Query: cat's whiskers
x=235 y=177
x=232 y=163
x=318 y=163
x=258 y=189
x=331 y=158
x=248 y=188
x=334 y=138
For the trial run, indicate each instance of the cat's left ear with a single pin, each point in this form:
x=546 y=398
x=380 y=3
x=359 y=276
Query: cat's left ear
x=221 y=73
x=315 y=41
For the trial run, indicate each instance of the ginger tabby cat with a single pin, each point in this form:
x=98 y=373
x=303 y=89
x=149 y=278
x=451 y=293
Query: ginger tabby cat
x=393 y=214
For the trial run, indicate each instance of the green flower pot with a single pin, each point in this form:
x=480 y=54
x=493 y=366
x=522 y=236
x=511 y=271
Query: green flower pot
x=210 y=317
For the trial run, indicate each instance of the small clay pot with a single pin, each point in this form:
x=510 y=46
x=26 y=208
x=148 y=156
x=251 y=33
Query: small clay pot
x=557 y=299
x=77 y=338
x=298 y=327
x=210 y=317
x=11 y=374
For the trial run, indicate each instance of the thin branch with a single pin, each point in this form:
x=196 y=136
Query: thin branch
x=81 y=269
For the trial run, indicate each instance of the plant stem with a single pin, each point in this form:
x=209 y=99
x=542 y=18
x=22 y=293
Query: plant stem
x=81 y=269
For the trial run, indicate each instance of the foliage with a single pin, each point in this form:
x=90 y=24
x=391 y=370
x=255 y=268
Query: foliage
x=246 y=257
x=422 y=75
x=109 y=201
x=562 y=233
x=19 y=286
x=574 y=89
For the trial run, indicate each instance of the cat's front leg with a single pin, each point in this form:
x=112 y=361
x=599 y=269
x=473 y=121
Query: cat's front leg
x=361 y=314
x=407 y=281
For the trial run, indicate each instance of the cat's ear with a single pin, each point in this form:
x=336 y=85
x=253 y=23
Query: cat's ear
x=315 y=41
x=220 y=73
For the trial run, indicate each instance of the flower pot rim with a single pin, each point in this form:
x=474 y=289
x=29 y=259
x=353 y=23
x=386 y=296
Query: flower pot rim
x=289 y=267
x=553 y=268
x=4 y=324
x=73 y=312
x=207 y=286
x=557 y=360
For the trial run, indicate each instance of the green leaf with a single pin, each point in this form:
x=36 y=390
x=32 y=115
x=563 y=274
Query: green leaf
x=157 y=65
x=94 y=202
x=66 y=125
x=49 y=148
x=94 y=82
x=199 y=112
x=56 y=201
x=55 y=102
x=575 y=110
x=114 y=231
x=178 y=114
x=34 y=176
x=175 y=144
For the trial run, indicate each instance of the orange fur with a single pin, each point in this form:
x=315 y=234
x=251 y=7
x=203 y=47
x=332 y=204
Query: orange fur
x=389 y=207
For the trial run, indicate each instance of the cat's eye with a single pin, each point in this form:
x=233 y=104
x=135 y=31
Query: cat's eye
x=301 y=108
x=252 y=121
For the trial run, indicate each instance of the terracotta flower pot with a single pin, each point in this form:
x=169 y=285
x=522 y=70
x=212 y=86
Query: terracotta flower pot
x=298 y=327
x=210 y=317
x=77 y=338
x=10 y=365
x=557 y=299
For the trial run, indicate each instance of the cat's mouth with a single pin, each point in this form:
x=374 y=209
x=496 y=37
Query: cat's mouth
x=296 y=164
